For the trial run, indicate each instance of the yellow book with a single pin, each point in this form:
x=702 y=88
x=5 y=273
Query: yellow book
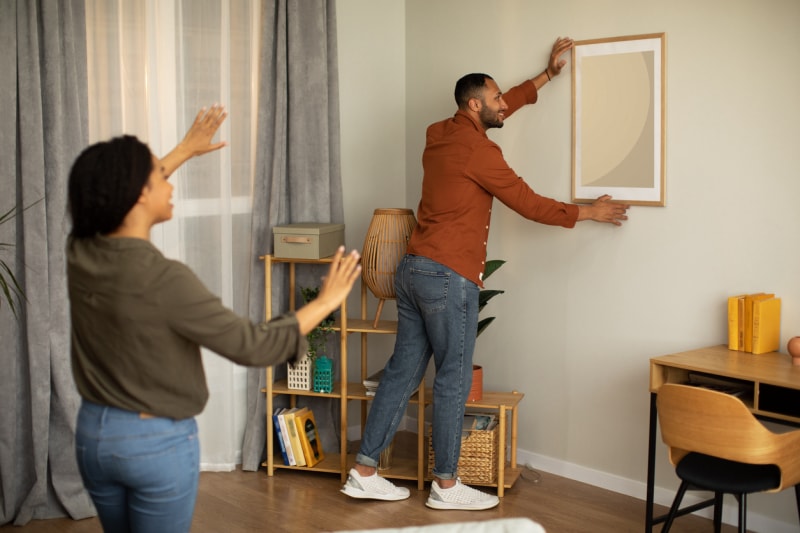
x=735 y=319
x=741 y=324
x=766 y=325
x=294 y=438
x=748 y=317
x=309 y=438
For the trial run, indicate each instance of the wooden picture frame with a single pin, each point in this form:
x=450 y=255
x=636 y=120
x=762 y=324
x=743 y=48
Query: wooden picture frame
x=618 y=119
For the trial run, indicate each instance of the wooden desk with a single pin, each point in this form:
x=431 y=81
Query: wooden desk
x=771 y=382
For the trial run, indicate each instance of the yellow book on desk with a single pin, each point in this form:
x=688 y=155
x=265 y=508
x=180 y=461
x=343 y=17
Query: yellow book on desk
x=748 y=317
x=766 y=325
x=736 y=322
x=309 y=437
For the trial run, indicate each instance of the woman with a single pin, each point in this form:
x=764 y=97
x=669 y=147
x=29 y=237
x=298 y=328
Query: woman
x=138 y=321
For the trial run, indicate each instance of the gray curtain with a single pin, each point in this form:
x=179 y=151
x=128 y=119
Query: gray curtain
x=298 y=176
x=44 y=93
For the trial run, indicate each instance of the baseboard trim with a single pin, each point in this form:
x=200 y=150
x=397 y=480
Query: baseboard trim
x=637 y=489
x=620 y=485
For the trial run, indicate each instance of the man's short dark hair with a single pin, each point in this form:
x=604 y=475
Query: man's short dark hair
x=470 y=86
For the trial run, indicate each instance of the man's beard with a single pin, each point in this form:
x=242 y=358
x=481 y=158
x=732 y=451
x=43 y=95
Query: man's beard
x=489 y=118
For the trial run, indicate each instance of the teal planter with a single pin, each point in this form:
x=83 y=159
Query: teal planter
x=323 y=374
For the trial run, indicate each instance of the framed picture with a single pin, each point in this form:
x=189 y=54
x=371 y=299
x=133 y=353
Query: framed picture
x=618 y=113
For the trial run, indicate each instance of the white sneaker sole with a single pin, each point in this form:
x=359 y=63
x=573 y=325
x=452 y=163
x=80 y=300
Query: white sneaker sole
x=362 y=495
x=438 y=504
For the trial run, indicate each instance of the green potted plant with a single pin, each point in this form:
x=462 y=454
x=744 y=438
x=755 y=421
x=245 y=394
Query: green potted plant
x=318 y=337
x=9 y=286
x=476 y=391
x=322 y=377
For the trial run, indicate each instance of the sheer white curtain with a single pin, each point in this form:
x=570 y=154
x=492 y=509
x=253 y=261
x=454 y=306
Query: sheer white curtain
x=152 y=65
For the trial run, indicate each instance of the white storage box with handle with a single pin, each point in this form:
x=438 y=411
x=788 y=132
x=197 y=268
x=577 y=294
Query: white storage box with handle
x=307 y=240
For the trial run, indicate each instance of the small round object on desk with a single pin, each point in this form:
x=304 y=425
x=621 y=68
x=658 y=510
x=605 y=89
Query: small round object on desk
x=793 y=347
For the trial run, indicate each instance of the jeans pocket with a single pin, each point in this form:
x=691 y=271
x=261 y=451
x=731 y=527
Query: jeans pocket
x=430 y=289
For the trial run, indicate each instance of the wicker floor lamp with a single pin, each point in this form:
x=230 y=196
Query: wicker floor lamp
x=384 y=247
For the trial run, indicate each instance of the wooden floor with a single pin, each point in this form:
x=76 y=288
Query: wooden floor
x=294 y=501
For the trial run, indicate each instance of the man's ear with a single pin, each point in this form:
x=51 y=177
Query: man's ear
x=474 y=104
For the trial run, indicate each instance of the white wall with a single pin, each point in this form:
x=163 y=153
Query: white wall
x=372 y=79
x=586 y=308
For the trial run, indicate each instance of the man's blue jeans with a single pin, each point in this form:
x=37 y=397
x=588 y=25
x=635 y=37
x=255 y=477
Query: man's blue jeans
x=437 y=313
x=141 y=473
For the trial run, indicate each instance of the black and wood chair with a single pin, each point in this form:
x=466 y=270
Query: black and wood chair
x=718 y=445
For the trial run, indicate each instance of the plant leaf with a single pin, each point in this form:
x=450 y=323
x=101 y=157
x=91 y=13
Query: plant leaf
x=491 y=266
x=484 y=323
x=8 y=214
x=10 y=290
x=11 y=213
x=8 y=282
x=485 y=295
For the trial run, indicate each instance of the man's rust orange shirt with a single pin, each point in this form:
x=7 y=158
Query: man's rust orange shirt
x=463 y=172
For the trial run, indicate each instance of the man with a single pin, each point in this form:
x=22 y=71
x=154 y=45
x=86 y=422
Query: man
x=438 y=280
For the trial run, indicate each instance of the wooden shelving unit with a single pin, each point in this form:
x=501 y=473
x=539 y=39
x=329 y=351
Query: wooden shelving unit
x=402 y=468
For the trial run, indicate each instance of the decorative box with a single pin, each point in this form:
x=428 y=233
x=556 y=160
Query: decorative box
x=299 y=375
x=307 y=240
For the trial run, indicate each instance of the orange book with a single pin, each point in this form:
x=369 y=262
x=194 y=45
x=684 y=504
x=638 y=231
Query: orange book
x=309 y=437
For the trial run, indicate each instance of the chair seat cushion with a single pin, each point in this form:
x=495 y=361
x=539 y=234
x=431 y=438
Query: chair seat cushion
x=713 y=473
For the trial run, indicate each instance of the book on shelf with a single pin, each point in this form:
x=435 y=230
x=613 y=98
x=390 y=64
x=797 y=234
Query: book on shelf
x=279 y=435
x=287 y=443
x=294 y=438
x=478 y=422
x=372 y=382
x=309 y=437
x=766 y=325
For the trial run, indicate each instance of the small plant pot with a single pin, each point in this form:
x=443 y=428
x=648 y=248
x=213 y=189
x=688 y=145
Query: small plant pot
x=476 y=391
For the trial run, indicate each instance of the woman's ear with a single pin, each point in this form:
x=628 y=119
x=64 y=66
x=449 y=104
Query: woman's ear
x=144 y=197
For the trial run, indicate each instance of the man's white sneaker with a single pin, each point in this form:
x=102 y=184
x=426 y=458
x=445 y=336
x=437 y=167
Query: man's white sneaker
x=460 y=496
x=373 y=487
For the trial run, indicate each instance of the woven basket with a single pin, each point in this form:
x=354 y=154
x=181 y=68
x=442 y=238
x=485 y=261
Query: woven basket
x=478 y=462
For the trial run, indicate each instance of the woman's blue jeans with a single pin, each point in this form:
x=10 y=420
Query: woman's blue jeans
x=141 y=473
x=437 y=313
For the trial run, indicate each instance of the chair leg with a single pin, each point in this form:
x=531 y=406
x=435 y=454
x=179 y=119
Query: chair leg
x=742 y=512
x=797 y=498
x=676 y=504
x=717 y=512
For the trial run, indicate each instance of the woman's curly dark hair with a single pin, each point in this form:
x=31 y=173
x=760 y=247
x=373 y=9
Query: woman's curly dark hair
x=105 y=182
